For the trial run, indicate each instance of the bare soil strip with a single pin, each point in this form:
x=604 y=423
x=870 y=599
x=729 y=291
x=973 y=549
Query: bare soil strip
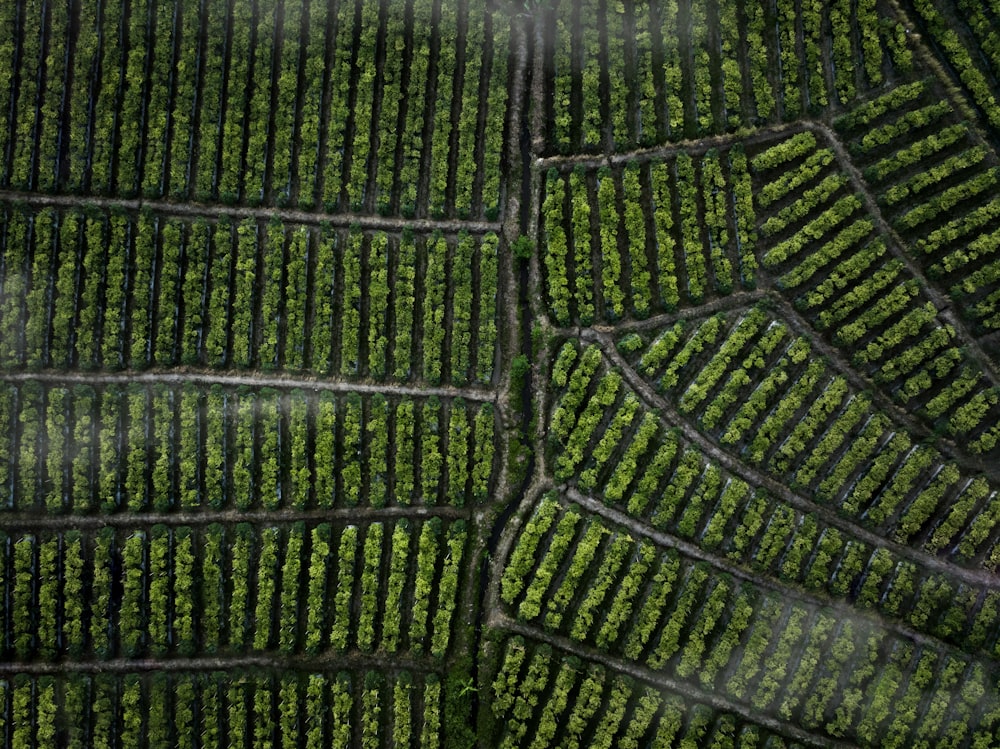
x=32 y=521
x=310 y=663
x=203 y=377
x=216 y=210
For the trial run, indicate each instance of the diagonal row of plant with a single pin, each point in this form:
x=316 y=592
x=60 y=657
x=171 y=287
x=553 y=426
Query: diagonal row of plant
x=160 y=591
x=936 y=183
x=760 y=392
x=828 y=255
x=606 y=443
x=578 y=576
x=545 y=700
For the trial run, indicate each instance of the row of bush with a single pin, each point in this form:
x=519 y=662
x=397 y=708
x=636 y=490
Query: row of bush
x=187 y=709
x=573 y=695
x=663 y=632
x=761 y=413
x=141 y=287
x=229 y=589
x=171 y=448
x=784 y=38
x=962 y=61
x=639 y=271
x=131 y=134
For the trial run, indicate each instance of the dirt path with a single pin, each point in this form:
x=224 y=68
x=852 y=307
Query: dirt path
x=683 y=689
x=202 y=377
x=979 y=578
x=31 y=521
x=215 y=210
x=309 y=663
x=693 y=147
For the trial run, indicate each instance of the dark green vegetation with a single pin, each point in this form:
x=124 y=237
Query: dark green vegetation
x=577 y=373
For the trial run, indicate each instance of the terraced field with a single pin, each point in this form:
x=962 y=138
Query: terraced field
x=567 y=373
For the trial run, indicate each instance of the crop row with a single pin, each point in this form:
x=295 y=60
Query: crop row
x=777 y=655
x=135 y=449
x=967 y=65
x=617 y=451
x=981 y=19
x=268 y=102
x=758 y=390
x=831 y=259
x=547 y=698
x=938 y=187
x=647 y=238
x=219 y=709
x=382 y=587
x=637 y=74
x=88 y=289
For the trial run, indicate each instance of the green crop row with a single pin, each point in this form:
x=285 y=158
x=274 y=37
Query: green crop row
x=571 y=695
x=621 y=72
x=176 y=590
x=684 y=619
x=250 y=116
x=170 y=448
x=222 y=708
x=160 y=291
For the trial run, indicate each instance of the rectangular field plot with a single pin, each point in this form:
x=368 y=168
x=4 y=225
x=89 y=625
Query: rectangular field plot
x=936 y=182
x=224 y=708
x=623 y=75
x=395 y=107
x=166 y=448
x=647 y=237
x=111 y=290
x=234 y=589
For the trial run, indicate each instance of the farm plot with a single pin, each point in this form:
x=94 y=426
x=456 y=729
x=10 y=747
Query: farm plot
x=538 y=693
x=607 y=445
x=220 y=708
x=936 y=183
x=112 y=290
x=648 y=237
x=826 y=253
x=395 y=373
x=966 y=38
x=636 y=74
x=138 y=449
x=760 y=650
x=233 y=589
x=339 y=106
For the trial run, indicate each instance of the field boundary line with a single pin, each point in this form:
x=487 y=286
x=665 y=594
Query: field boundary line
x=217 y=210
x=24 y=521
x=203 y=377
x=327 y=662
